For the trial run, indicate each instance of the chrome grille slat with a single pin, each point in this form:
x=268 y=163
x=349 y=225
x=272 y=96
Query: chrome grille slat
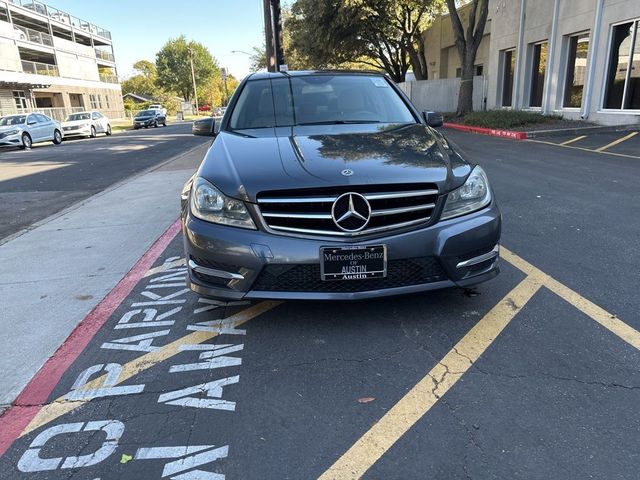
x=349 y=234
x=309 y=211
x=396 y=211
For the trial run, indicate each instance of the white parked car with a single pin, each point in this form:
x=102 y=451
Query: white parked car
x=157 y=106
x=86 y=124
x=25 y=129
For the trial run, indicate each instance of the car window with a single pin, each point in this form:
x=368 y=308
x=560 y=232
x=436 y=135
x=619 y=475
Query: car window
x=12 y=120
x=314 y=99
x=41 y=118
x=77 y=116
x=95 y=116
x=32 y=119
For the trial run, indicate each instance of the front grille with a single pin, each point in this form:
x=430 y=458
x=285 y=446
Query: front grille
x=308 y=211
x=306 y=278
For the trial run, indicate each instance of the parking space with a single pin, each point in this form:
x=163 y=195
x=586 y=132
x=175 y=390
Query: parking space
x=520 y=375
x=624 y=143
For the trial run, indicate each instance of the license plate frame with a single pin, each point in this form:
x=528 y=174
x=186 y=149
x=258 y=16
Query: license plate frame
x=364 y=263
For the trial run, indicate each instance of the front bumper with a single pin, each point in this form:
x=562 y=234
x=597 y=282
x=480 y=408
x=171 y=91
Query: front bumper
x=233 y=263
x=83 y=132
x=15 y=139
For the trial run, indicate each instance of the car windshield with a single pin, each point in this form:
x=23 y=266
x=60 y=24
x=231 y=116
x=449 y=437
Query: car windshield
x=12 y=120
x=318 y=100
x=146 y=113
x=78 y=116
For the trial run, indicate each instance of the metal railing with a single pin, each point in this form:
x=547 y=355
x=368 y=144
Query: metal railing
x=108 y=78
x=105 y=55
x=40 y=68
x=63 y=17
x=28 y=34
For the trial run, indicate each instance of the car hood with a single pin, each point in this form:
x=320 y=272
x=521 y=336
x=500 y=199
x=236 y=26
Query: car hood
x=143 y=119
x=73 y=123
x=8 y=128
x=309 y=157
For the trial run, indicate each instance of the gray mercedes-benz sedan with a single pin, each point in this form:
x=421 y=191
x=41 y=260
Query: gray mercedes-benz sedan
x=331 y=185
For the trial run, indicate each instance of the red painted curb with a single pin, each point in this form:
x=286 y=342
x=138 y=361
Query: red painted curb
x=488 y=131
x=35 y=394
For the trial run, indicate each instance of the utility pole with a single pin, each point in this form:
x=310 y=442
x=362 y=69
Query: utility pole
x=277 y=33
x=268 y=32
x=193 y=77
x=223 y=74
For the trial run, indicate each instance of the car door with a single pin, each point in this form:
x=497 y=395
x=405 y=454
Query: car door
x=46 y=126
x=33 y=127
x=95 y=117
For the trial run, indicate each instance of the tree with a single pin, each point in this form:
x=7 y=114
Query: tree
x=213 y=92
x=174 y=66
x=383 y=34
x=143 y=81
x=467 y=44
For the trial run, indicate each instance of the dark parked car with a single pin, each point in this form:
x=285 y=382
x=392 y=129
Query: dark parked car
x=149 y=118
x=331 y=185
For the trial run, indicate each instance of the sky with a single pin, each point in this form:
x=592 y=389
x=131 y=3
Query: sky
x=139 y=28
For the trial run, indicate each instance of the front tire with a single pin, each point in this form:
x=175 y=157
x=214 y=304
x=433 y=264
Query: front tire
x=26 y=142
x=93 y=132
x=155 y=124
x=108 y=132
x=57 y=137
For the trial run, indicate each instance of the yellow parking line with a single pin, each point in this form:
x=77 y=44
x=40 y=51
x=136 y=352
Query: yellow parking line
x=573 y=140
x=60 y=406
x=419 y=400
x=599 y=314
x=584 y=149
x=616 y=142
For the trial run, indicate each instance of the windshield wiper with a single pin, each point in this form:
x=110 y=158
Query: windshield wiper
x=338 y=122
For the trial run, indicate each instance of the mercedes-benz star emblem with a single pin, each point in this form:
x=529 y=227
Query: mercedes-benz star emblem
x=351 y=212
x=347 y=172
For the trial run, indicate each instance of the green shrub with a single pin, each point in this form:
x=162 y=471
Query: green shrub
x=507 y=119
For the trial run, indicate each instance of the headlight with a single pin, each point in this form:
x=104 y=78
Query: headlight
x=11 y=132
x=211 y=205
x=473 y=195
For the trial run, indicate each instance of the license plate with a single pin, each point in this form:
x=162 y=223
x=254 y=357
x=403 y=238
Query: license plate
x=353 y=263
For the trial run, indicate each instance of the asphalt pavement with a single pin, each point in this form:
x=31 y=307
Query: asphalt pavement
x=533 y=375
x=37 y=183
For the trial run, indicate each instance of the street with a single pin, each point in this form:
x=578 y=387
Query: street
x=535 y=374
x=42 y=181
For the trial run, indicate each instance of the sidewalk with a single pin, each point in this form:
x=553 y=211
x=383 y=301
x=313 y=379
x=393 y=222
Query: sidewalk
x=53 y=275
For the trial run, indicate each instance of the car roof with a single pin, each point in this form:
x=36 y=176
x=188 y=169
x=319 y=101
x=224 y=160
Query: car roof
x=305 y=73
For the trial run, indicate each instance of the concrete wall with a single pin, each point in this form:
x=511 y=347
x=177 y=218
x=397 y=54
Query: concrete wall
x=441 y=95
x=574 y=16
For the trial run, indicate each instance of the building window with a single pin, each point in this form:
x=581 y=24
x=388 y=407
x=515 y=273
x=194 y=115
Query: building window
x=93 y=101
x=508 y=69
x=106 y=101
x=623 y=78
x=479 y=70
x=576 y=70
x=538 y=70
x=20 y=98
x=458 y=72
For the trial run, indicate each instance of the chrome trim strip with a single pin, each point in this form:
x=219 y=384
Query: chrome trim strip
x=481 y=258
x=368 y=196
x=212 y=272
x=318 y=216
x=382 y=196
x=394 y=211
x=297 y=200
x=347 y=234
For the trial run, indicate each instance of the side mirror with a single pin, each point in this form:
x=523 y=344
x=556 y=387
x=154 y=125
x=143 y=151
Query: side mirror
x=205 y=127
x=433 y=119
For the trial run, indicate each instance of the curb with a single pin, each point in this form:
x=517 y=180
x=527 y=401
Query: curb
x=514 y=135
